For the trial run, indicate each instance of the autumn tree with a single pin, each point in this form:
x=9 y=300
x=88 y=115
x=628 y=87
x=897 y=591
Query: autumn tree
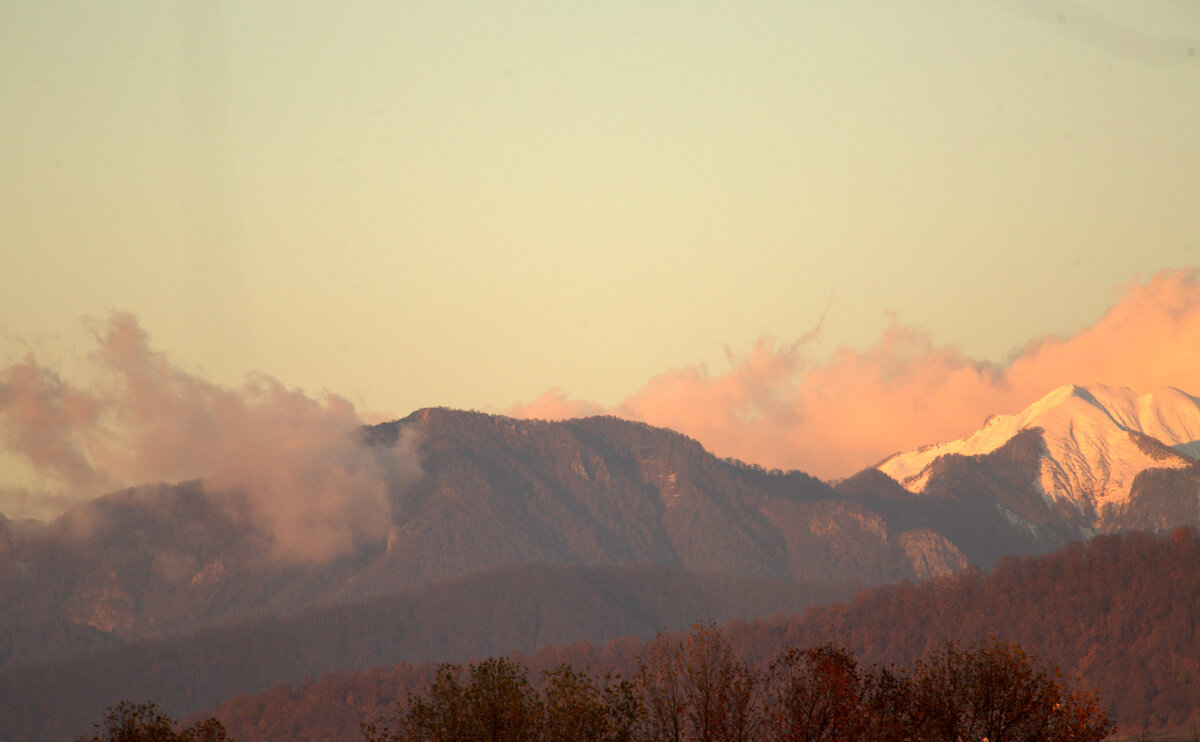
x=722 y=691
x=815 y=695
x=497 y=704
x=886 y=703
x=144 y=722
x=995 y=691
x=577 y=707
x=697 y=689
x=574 y=707
x=659 y=687
x=502 y=706
x=623 y=709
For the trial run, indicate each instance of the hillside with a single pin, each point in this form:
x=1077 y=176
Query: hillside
x=165 y=559
x=1120 y=612
x=119 y=583
x=494 y=612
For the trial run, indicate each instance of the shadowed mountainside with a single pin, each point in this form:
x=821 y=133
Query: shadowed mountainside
x=164 y=559
x=1119 y=612
x=161 y=560
x=495 y=612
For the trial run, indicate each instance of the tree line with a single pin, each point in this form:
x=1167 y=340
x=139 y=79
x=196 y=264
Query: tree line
x=1118 y=611
x=696 y=689
x=145 y=722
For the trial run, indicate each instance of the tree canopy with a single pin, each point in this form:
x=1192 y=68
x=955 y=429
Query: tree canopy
x=696 y=689
x=144 y=722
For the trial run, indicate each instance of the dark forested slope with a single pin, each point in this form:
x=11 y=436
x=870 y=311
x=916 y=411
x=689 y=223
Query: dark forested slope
x=494 y=612
x=1121 y=612
x=493 y=491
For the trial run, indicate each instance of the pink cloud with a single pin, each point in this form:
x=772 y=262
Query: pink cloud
x=777 y=408
x=290 y=461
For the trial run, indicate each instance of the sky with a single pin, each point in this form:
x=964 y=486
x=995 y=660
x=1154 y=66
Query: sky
x=787 y=229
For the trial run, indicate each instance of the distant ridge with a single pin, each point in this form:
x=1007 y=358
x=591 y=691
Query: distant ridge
x=1096 y=441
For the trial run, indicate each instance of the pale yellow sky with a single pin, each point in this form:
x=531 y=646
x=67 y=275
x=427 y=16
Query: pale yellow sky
x=466 y=204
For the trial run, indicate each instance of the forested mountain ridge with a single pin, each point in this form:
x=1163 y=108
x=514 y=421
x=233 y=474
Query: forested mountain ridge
x=1120 y=612
x=495 y=492
x=606 y=490
x=162 y=559
x=494 y=612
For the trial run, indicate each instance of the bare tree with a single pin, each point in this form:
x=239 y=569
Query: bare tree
x=815 y=695
x=143 y=722
x=721 y=690
x=697 y=690
x=660 y=691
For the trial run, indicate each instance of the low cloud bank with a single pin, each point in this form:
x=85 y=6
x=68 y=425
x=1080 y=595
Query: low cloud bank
x=292 y=463
x=778 y=408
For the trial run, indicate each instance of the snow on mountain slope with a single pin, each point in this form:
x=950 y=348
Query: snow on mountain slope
x=1095 y=437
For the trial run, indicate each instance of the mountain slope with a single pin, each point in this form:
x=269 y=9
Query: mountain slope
x=988 y=504
x=604 y=490
x=1119 y=612
x=164 y=559
x=1096 y=441
x=495 y=612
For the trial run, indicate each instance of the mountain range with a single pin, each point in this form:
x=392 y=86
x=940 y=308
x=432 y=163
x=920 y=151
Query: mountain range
x=1096 y=442
x=163 y=561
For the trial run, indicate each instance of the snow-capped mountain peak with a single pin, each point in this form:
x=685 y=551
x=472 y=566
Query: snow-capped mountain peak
x=1097 y=439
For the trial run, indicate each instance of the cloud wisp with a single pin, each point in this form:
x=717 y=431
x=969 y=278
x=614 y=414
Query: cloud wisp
x=778 y=408
x=290 y=462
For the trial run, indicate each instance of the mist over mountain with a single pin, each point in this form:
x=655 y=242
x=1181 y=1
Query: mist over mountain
x=496 y=491
x=161 y=559
x=286 y=463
